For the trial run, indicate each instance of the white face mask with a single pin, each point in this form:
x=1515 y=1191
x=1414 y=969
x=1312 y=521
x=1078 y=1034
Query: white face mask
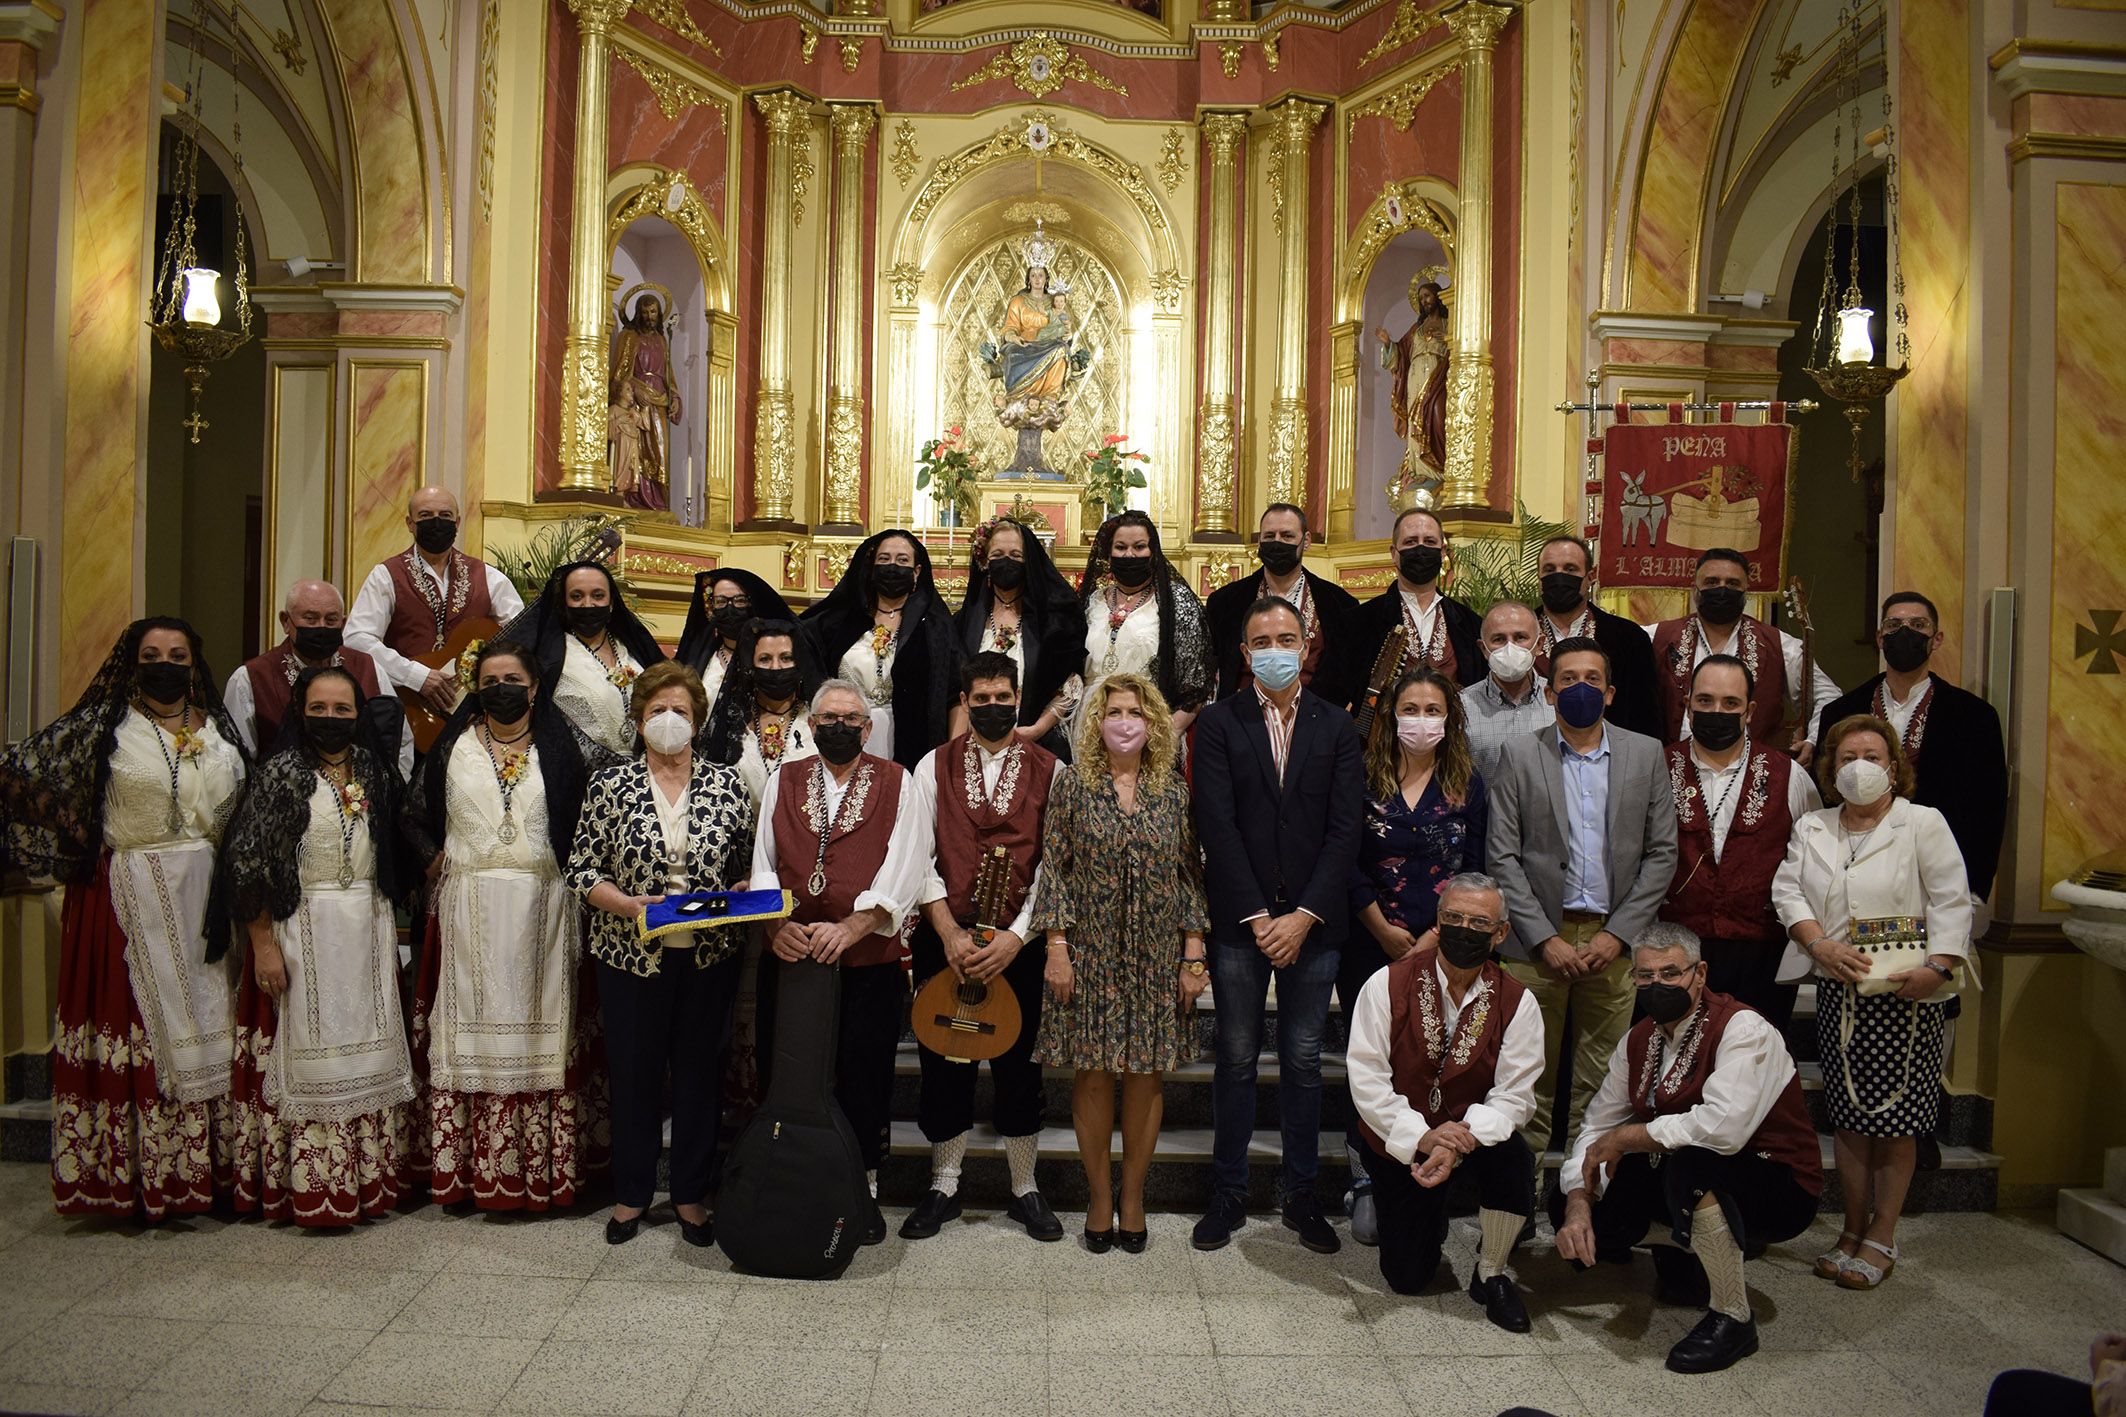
x=667 y=731
x=1511 y=662
x=1863 y=783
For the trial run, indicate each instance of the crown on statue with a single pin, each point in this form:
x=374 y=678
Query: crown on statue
x=1040 y=251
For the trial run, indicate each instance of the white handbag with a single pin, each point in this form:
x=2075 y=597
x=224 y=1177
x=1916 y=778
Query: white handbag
x=1897 y=944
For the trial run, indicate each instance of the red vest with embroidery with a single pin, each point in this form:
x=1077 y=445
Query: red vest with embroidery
x=968 y=828
x=1469 y=1061
x=271 y=687
x=1756 y=644
x=1440 y=654
x=1729 y=899
x=854 y=853
x=412 y=628
x=1786 y=1135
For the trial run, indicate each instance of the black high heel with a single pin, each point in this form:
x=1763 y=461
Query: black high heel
x=1132 y=1242
x=1099 y=1242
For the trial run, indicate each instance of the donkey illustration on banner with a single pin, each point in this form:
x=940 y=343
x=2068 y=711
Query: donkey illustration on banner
x=1642 y=510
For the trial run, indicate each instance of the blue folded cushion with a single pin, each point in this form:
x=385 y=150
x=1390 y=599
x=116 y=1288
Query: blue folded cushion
x=703 y=910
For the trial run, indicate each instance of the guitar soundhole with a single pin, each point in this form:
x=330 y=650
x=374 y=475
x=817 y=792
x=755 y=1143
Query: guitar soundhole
x=972 y=994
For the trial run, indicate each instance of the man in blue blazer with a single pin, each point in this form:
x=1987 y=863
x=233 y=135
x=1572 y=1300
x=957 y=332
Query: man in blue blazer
x=1279 y=796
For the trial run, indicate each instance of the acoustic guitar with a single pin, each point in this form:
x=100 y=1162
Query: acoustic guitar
x=425 y=722
x=1386 y=666
x=794 y=1203
x=967 y=1020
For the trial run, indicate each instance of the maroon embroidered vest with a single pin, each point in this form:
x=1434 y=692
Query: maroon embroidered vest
x=412 y=628
x=1440 y=652
x=1756 y=644
x=1729 y=899
x=857 y=839
x=969 y=824
x=1786 y=1135
x=272 y=686
x=1468 y=1061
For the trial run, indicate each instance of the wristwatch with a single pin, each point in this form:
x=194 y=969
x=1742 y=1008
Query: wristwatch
x=1942 y=969
x=1194 y=966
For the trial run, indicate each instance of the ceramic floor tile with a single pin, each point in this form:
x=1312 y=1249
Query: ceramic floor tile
x=658 y=1255
x=967 y=1321
x=272 y=1365
x=59 y=1401
x=1798 y=1382
x=1304 y=1387
x=957 y=1384
x=1639 y=1386
x=1154 y=1385
x=819 y=1315
x=424 y=1239
x=1127 y=1323
x=645 y=1311
x=558 y=1246
x=70 y=1354
x=1256 y=1263
x=431 y=1370
x=1296 y=1323
x=1481 y=1387
x=487 y=1306
x=257 y=1402
x=160 y=1288
x=648 y=1379
x=982 y=1251
x=771 y=1381
x=309 y=1297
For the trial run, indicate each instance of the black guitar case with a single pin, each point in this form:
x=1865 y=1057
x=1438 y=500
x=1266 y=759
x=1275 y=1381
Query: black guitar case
x=794 y=1202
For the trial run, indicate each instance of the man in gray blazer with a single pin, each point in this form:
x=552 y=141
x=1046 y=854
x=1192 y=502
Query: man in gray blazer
x=1583 y=844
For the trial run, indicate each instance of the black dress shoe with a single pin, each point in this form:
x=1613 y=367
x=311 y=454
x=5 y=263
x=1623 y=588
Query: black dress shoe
x=1099 y=1242
x=1303 y=1214
x=1033 y=1213
x=1227 y=1214
x=1132 y=1242
x=875 y=1232
x=1717 y=1342
x=931 y=1216
x=619 y=1232
x=699 y=1236
x=1501 y=1301
x=1679 y=1278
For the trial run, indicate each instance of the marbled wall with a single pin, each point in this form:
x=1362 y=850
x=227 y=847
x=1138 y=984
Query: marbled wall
x=386 y=455
x=1662 y=274
x=391 y=179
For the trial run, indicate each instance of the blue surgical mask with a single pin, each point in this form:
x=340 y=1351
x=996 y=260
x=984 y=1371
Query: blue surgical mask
x=1276 y=668
x=1580 y=705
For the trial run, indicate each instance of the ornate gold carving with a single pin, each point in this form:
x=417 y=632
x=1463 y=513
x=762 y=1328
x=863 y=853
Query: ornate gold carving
x=1410 y=24
x=784 y=111
x=1026 y=213
x=834 y=557
x=1222 y=133
x=598 y=17
x=655 y=198
x=774 y=449
x=1288 y=450
x=852 y=123
x=673 y=93
x=906 y=281
x=801 y=174
x=794 y=558
x=290 y=49
x=1216 y=459
x=1273 y=172
x=1270 y=55
x=672 y=14
x=1469 y=395
x=1229 y=52
x=1476 y=24
x=1399 y=104
x=1167 y=290
x=1572 y=144
x=490 y=90
x=806 y=48
x=852 y=51
x=656 y=563
x=1173 y=160
x=1038 y=65
x=583 y=403
x=845 y=460
x=1009 y=142
x=905 y=158
x=1396 y=210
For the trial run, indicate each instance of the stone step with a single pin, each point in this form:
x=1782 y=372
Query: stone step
x=2096 y=1220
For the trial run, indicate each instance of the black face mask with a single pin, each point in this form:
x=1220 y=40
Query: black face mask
x=838 y=743
x=435 y=535
x=1005 y=573
x=317 y=643
x=1664 y=1003
x=505 y=702
x=1279 y=558
x=1907 y=650
x=1419 y=564
x=1464 y=946
x=1562 y=592
x=776 y=684
x=1130 y=571
x=893 y=581
x=1720 y=605
x=1717 y=731
x=328 y=735
x=587 y=621
x=164 y=680
x=728 y=618
x=993 y=722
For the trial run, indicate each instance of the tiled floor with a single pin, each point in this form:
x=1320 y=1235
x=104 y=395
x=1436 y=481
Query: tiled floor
x=440 y=1311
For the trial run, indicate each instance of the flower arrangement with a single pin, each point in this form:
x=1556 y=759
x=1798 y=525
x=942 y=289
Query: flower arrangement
x=948 y=471
x=354 y=802
x=512 y=770
x=190 y=742
x=621 y=675
x=1113 y=474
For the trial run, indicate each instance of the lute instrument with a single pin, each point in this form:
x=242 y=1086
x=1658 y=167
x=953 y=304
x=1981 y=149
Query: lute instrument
x=1386 y=666
x=425 y=722
x=968 y=1020
x=1797 y=605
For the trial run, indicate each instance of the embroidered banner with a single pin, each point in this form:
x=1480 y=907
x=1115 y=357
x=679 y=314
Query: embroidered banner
x=1673 y=490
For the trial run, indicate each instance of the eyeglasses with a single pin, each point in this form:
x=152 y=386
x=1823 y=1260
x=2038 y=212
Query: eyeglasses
x=1666 y=974
x=730 y=602
x=847 y=720
x=1920 y=623
x=1468 y=922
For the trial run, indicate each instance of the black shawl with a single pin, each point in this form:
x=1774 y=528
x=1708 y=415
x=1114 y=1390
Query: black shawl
x=1184 y=667
x=1051 y=621
x=698 y=640
x=926 y=665
x=723 y=738
x=52 y=784
x=566 y=761
x=543 y=628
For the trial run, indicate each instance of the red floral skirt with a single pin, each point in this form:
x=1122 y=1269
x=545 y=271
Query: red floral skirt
x=513 y=1150
x=119 y=1147
x=316 y=1174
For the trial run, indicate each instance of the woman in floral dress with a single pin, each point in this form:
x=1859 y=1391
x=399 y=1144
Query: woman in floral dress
x=123 y=800
x=324 y=1083
x=1121 y=902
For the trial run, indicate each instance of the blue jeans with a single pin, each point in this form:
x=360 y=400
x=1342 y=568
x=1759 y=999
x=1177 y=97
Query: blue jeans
x=1240 y=982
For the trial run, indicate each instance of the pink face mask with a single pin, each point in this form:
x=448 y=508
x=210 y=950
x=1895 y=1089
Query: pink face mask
x=1123 y=735
x=1418 y=734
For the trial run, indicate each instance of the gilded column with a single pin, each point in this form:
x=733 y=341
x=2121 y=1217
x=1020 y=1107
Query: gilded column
x=1467 y=478
x=852 y=123
x=775 y=412
x=1217 y=449
x=1296 y=120
x=583 y=359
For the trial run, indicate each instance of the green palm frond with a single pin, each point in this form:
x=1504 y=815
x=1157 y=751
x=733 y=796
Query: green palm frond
x=587 y=538
x=1506 y=566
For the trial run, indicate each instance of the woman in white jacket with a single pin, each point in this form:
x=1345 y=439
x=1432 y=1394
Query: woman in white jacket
x=1874 y=898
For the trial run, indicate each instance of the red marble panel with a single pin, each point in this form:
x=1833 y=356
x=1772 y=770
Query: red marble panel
x=693 y=143
x=2084 y=114
x=922 y=83
x=301 y=324
x=375 y=324
x=1744 y=359
x=1431 y=146
x=1653 y=351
